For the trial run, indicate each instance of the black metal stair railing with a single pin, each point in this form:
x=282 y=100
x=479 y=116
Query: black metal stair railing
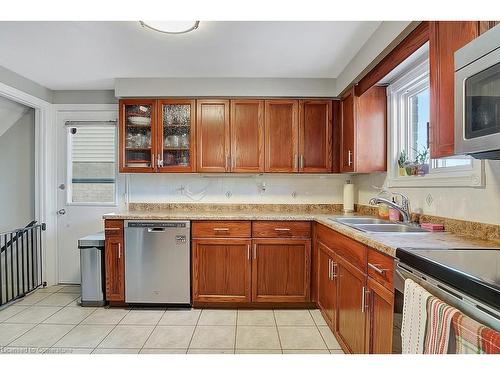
x=20 y=261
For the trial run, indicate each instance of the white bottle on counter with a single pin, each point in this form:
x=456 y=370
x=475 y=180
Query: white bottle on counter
x=348 y=197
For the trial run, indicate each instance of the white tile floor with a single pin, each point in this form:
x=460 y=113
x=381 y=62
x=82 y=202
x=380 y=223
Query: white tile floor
x=50 y=320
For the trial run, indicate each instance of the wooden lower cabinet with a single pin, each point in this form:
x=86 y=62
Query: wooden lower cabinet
x=380 y=309
x=351 y=315
x=221 y=270
x=327 y=287
x=281 y=270
x=114 y=259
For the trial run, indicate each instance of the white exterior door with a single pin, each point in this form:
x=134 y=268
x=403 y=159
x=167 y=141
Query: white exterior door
x=87 y=179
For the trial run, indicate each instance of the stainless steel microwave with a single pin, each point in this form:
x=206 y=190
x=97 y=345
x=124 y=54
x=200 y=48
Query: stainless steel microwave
x=477 y=97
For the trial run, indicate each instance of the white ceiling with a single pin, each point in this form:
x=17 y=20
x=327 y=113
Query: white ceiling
x=89 y=55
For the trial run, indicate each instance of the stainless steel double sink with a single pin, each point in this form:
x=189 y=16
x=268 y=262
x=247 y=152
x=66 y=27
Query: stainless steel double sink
x=371 y=225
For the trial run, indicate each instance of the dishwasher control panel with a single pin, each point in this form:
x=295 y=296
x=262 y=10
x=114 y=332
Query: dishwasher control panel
x=158 y=224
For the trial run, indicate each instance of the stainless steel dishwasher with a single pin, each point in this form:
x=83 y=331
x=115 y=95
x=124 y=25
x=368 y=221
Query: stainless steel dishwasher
x=157 y=262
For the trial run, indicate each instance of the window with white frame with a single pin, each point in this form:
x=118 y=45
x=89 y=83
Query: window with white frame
x=409 y=162
x=91 y=172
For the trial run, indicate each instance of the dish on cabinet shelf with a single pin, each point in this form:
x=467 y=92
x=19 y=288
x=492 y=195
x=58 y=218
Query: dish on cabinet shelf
x=139 y=120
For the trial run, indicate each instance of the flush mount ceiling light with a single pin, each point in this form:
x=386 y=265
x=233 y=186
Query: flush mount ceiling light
x=171 y=27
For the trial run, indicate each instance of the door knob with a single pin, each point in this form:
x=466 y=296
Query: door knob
x=62 y=211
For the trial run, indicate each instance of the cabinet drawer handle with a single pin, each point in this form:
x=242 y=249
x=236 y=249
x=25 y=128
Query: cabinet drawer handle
x=374 y=267
x=282 y=229
x=112 y=229
x=221 y=229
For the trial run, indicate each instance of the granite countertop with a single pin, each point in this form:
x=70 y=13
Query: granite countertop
x=386 y=243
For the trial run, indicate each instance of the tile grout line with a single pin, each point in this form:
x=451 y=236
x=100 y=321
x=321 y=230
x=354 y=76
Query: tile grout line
x=319 y=331
x=71 y=330
x=235 y=331
x=36 y=325
x=194 y=330
x=277 y=330
x=156 y=325
x=109 y=333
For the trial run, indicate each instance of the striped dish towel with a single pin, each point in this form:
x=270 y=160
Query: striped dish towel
x=414 y=318
x=438 y=330
x=471 y=337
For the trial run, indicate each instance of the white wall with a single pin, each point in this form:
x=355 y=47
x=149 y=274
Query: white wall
x=386 y=36
x=17 y=171
x=168 y=188
x=472 y=204
x=285 y=87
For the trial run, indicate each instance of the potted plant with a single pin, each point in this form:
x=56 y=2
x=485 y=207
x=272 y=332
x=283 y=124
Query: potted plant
x=402 y=163
x=422 y=162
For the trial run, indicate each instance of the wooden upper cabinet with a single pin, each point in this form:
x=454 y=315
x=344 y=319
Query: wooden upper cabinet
x=247 y=136
x=445 y=38
x=486 y=25
x=363 y=140
x=315 y=136
x=348 y=111
x=137 y=135
x=213 y=136
x=281 y=136
x=176 y=135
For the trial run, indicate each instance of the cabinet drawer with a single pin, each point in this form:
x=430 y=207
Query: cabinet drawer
x=349 y=249
x=278 y=229
x=381 y=268
x=214 y=229
x=113 y=228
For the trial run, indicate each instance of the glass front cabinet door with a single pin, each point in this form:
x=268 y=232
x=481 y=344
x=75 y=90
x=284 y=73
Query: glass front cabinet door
x=137 y=135
x=176 y=134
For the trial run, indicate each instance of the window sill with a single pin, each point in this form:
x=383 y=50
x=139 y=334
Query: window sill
x=469 y=178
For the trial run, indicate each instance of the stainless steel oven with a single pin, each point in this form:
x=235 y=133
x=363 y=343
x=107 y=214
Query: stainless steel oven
x=477 y=97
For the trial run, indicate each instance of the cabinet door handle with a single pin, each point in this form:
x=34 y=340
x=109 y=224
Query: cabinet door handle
x=254 y=251
x=334 y=270
x=329 y=269
x=364 y=299
x=248 y=251
x=349 y=158
x=233 y=162
x=159 y=160
x=119 y=250
x=295 y=161
x=301 y=161
x=374 y=267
